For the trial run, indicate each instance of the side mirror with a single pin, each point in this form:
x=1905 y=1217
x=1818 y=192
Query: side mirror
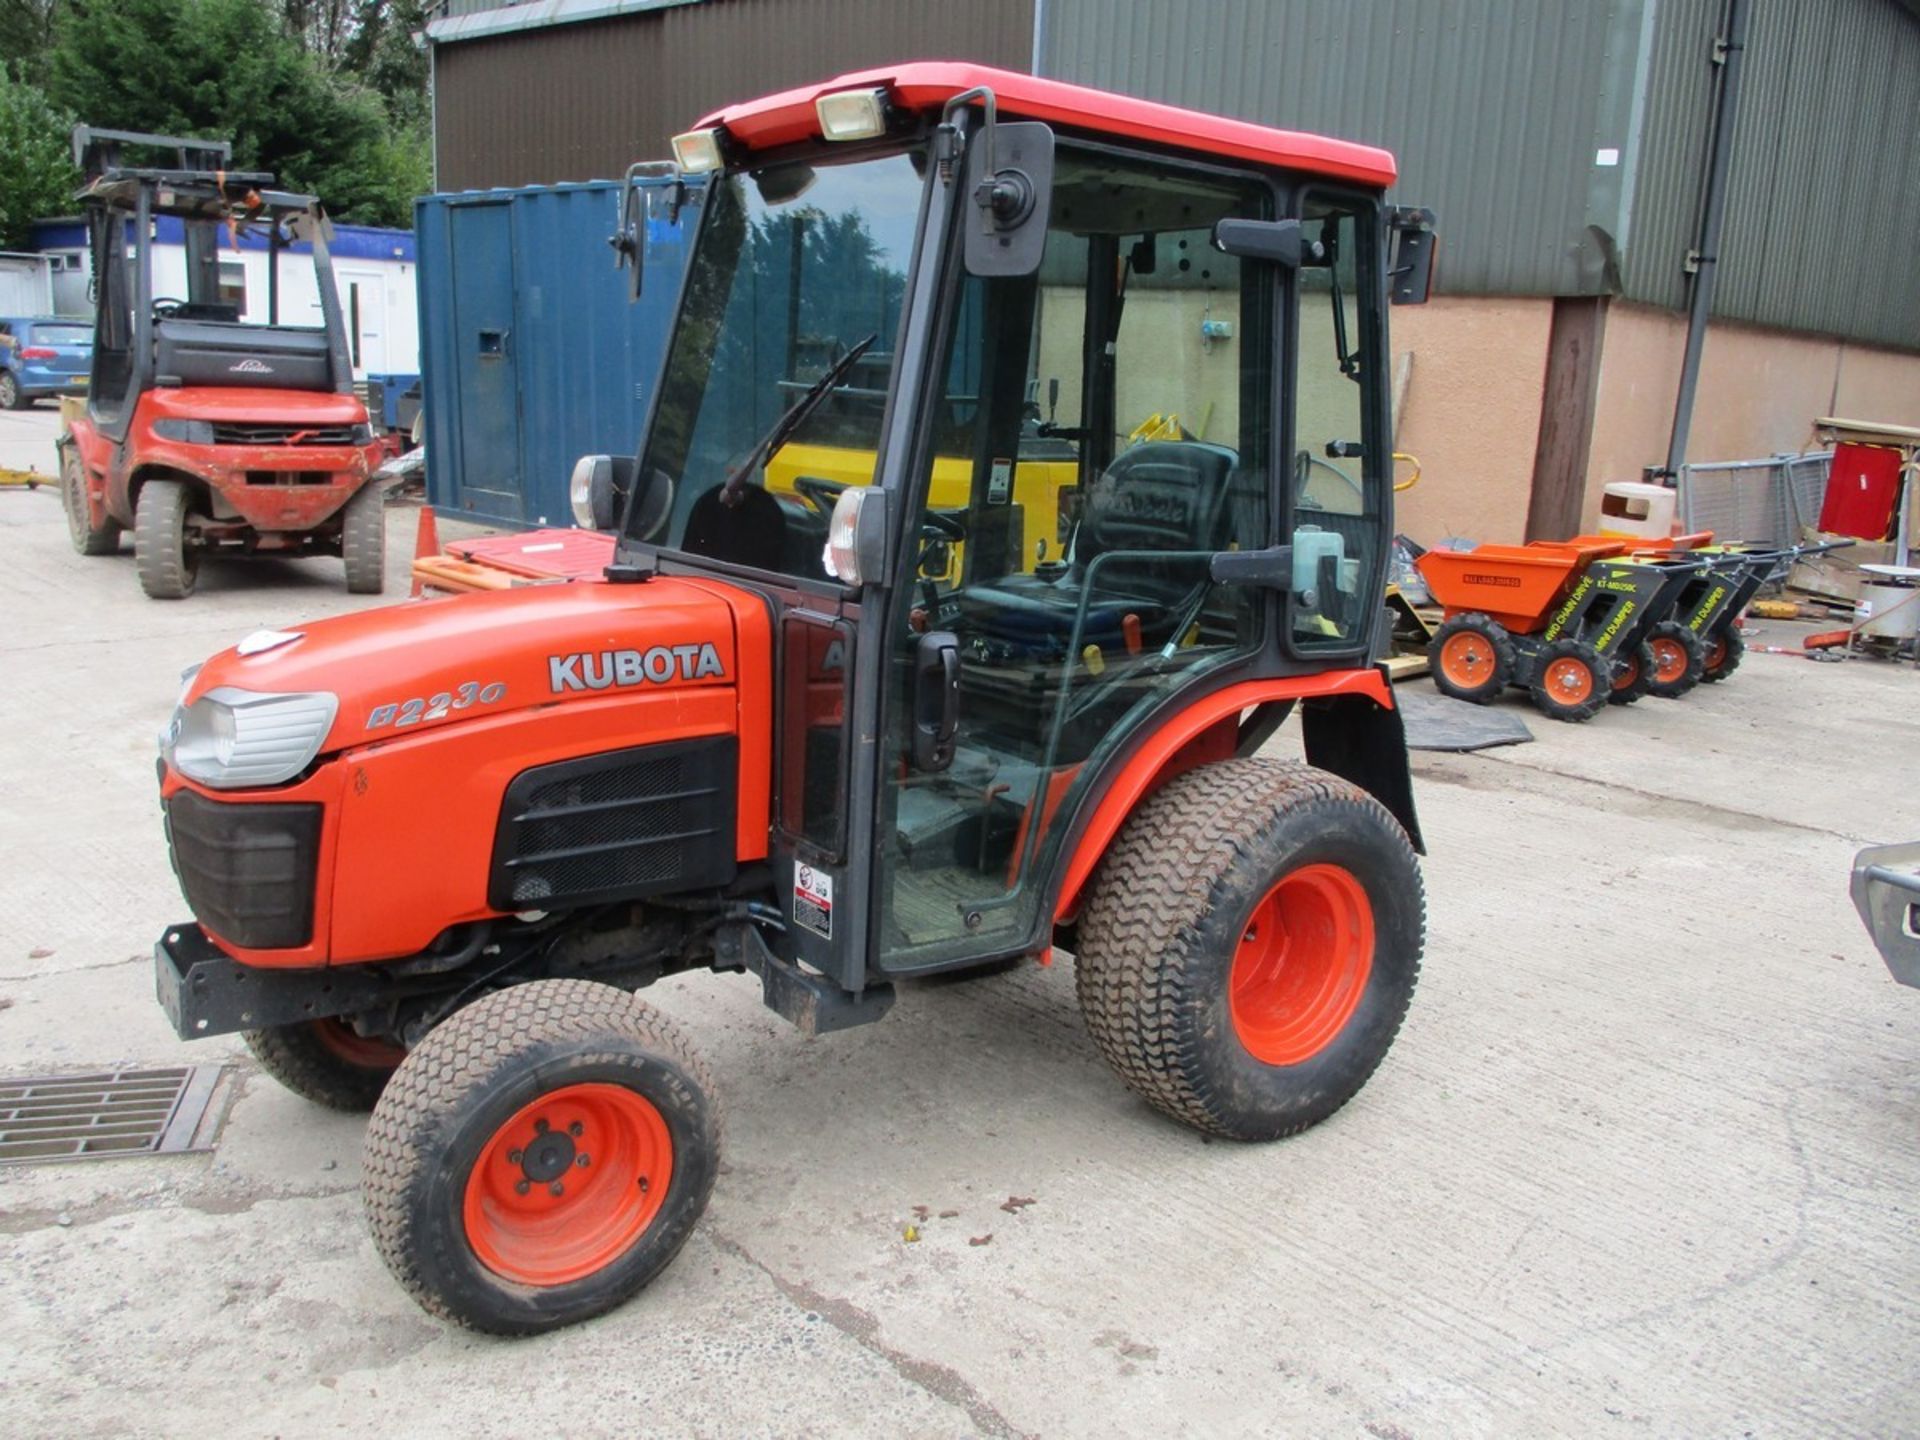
x=1410 y=270
x=1009 y=181
x=1279 y=242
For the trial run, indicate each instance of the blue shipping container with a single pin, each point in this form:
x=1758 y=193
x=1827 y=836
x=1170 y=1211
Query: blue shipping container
x=531 y=354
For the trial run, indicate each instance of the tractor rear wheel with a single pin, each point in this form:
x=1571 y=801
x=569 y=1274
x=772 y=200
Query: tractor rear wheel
x=327 y=1062
x=363 y=541
x=1679 y=660
x=540 y=1157
x=1724 y=653
x=164 y=554
x=105 y=540
x=1251 y=946
x=1571 y=682
x=1471 y=657
x=1632 y=673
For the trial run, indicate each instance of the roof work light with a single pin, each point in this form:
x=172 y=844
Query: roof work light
x=852 y=114
x=697 y=151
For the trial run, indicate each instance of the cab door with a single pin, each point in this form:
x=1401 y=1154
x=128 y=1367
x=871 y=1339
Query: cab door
x=1110 y=422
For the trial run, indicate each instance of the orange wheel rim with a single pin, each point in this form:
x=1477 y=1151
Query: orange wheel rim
x=1669 y=661
x=1716 y=652
x=568 y=1184
x=1467 y=659
x=1301 y=965
x=1569 y=680
x=341 y=1040
x=1626 y=673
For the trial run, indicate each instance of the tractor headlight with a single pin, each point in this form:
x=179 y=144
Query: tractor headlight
x=187 y=432
x=698 y=151
x=229 y=738
x=852 y=114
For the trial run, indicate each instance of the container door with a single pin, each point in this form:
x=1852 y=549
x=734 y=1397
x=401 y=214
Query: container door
x=486 y=373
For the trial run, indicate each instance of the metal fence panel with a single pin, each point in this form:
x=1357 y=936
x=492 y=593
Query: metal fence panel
x=1765 y=502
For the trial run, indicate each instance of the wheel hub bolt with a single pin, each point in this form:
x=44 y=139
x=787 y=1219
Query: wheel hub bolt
x=540 y=1127
x=514 y=1157
x=521 y=1187
x=576 y=1129
x=556 y=1189
x=583 y=1159
x=643 y=1184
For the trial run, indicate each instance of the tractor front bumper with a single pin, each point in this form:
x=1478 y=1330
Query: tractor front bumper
x=204 y=991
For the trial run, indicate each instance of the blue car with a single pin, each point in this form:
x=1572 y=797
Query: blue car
x=43 y=356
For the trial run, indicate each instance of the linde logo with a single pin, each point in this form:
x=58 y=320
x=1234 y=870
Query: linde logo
x=250 y=367
x=605 y=668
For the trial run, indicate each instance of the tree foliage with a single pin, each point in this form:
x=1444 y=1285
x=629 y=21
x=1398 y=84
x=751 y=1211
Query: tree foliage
x=37 y=177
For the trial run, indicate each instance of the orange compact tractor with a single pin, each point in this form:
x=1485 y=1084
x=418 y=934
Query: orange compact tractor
x=833 y=734
x=206 y=432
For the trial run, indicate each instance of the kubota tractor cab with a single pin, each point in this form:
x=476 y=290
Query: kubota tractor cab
x=836 y=734
x=208 y=432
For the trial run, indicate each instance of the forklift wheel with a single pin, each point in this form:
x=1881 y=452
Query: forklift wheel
x=1632 y=673
x=327 y=1062
x=1471 y=657
x=1251 y=946
x=164 y=555
x=363 y=541
x=1568 y=682
x=540 y=1157
x=1679 y=660
x=73 y=495
x=1724 y=653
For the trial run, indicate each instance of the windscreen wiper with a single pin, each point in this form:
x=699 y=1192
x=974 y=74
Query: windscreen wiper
x=795 y=416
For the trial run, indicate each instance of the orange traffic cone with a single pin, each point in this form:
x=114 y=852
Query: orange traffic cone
x=426 y=542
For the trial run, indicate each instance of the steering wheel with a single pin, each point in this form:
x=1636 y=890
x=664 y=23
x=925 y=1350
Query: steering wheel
x=166 y=306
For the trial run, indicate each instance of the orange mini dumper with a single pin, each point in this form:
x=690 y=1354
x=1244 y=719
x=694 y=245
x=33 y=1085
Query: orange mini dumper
x=832 y=735
x=1576 y=623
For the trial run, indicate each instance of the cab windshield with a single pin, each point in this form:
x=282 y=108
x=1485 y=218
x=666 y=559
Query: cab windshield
x=796 y=268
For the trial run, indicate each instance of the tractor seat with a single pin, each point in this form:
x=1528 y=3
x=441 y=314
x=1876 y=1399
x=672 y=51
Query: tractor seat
x=1160 y=496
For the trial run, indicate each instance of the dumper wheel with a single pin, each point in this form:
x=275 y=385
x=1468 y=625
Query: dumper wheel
x=1632 y=673
x=1724 y=653
x=1679 y=660
x=540 y=1156
x=327 y=1062
x=88 y=540
x=165 y=556
x=1251 y=945
x=1571 y=681
x=1471 y=657
x=363 y=541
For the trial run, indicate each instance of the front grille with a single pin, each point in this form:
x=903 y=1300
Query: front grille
x=247 y=434
x=247 y=870
x=645 y=821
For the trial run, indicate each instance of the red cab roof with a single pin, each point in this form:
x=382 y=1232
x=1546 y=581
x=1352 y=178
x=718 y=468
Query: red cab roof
x=788 y=117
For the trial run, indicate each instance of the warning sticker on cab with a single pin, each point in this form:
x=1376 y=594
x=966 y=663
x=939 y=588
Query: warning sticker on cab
x=813 y=900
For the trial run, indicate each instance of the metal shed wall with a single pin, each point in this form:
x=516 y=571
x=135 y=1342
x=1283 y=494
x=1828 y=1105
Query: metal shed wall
x=1494 y=108
x=581 y=101
x=1823 y=195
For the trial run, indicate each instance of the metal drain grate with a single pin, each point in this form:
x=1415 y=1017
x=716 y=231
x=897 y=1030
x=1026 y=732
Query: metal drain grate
x=112 y=1112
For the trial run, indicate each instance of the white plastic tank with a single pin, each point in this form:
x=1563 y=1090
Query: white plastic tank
x=1636 y=509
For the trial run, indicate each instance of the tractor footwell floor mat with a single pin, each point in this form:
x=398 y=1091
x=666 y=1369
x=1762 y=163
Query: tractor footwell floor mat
x=1439 y=722
x=108 y=1112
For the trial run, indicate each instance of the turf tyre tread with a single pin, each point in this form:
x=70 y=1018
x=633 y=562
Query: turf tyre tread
x=1140 y=970
x=474 y=1050
x=299 y=1060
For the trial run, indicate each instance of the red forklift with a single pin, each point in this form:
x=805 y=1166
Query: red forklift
x=206 y=433
x=838 y=736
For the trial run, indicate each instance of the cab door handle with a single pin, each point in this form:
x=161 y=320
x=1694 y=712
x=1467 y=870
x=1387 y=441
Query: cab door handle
x=936 y=700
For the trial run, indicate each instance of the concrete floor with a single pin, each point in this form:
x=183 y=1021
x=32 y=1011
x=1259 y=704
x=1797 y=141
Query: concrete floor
x=1645 y=1160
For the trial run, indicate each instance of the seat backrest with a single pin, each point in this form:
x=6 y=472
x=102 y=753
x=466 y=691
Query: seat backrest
x=1163 y=495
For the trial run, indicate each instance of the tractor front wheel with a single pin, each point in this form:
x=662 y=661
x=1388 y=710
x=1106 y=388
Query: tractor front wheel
x=1571 y=682
x=1251 y=946
x=1471 y=657
x=1724 y=653
x=87 y=538
x=165 y=555
x=363 y=541
x=327 y=1062
x=1679 y=660
x=540 y=1157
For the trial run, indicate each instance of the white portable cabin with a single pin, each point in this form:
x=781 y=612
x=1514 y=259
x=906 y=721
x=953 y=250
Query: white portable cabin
x=373 y=268
x=26 y=284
